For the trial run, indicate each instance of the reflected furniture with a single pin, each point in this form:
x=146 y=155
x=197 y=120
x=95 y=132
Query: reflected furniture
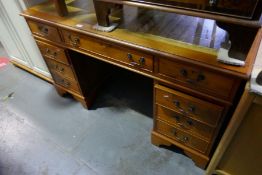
x=237 y=17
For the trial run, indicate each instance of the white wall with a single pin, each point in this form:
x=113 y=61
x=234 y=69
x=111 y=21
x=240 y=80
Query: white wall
x=16 y=36
x=8 y=42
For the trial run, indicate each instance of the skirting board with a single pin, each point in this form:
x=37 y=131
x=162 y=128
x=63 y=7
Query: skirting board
x=17 y=64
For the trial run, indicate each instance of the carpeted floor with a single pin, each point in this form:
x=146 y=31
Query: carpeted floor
x=43 y=133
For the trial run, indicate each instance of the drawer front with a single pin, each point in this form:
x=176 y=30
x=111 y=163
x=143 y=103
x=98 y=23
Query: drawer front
x=200 y=110
x=52 y=52
x=181 y=137
x=66 y=83
x=184 y=123
x=45 y=31
x=65 y=71
x=128 y=57
x=197 y=78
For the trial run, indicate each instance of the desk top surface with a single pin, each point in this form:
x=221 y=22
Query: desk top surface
x=188 y=38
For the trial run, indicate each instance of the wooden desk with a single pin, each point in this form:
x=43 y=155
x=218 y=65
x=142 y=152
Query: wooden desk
x=193 y=93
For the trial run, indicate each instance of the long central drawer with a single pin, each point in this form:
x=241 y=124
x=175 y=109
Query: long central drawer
x=123 y=55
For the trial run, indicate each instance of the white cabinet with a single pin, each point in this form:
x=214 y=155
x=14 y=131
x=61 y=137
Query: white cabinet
x=17 y=38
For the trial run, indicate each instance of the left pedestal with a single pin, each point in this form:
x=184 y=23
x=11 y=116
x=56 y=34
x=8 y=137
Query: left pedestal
x=59 y=63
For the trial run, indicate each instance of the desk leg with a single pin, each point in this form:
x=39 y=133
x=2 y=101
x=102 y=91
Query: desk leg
x=60 y=91
x=85 y=102
x=157 y=141
x=199 y=159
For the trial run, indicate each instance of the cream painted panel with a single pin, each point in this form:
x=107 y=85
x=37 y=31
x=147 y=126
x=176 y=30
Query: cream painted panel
x=23 y=38
x=8 y=42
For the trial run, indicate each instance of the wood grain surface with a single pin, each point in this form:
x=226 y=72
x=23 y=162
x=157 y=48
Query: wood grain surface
x=180 y=41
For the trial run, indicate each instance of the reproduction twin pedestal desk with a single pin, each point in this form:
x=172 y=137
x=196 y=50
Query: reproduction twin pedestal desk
x=193 y=93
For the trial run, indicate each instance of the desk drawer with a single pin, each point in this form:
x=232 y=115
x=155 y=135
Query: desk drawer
x=129 y=57
x=66 y=83
x=45 y=31
x=197 y=78
x=181 y=137
x=52 y=52
x=64 y=70
x=184 y=123
x=197 y=109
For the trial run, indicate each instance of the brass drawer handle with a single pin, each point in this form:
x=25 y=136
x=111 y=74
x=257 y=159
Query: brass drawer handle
x=200 y=77
x=75 y=41
x=192 y=108
x=59 y=69
x=65 y=83
x=129 y=56
x=184 y=139
x=190 y=122
x=177 y=104
x=176 y=117
x=182 y=125
x=141 y=61
x=44 y=30
x=183 y=72
x=50 y=53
